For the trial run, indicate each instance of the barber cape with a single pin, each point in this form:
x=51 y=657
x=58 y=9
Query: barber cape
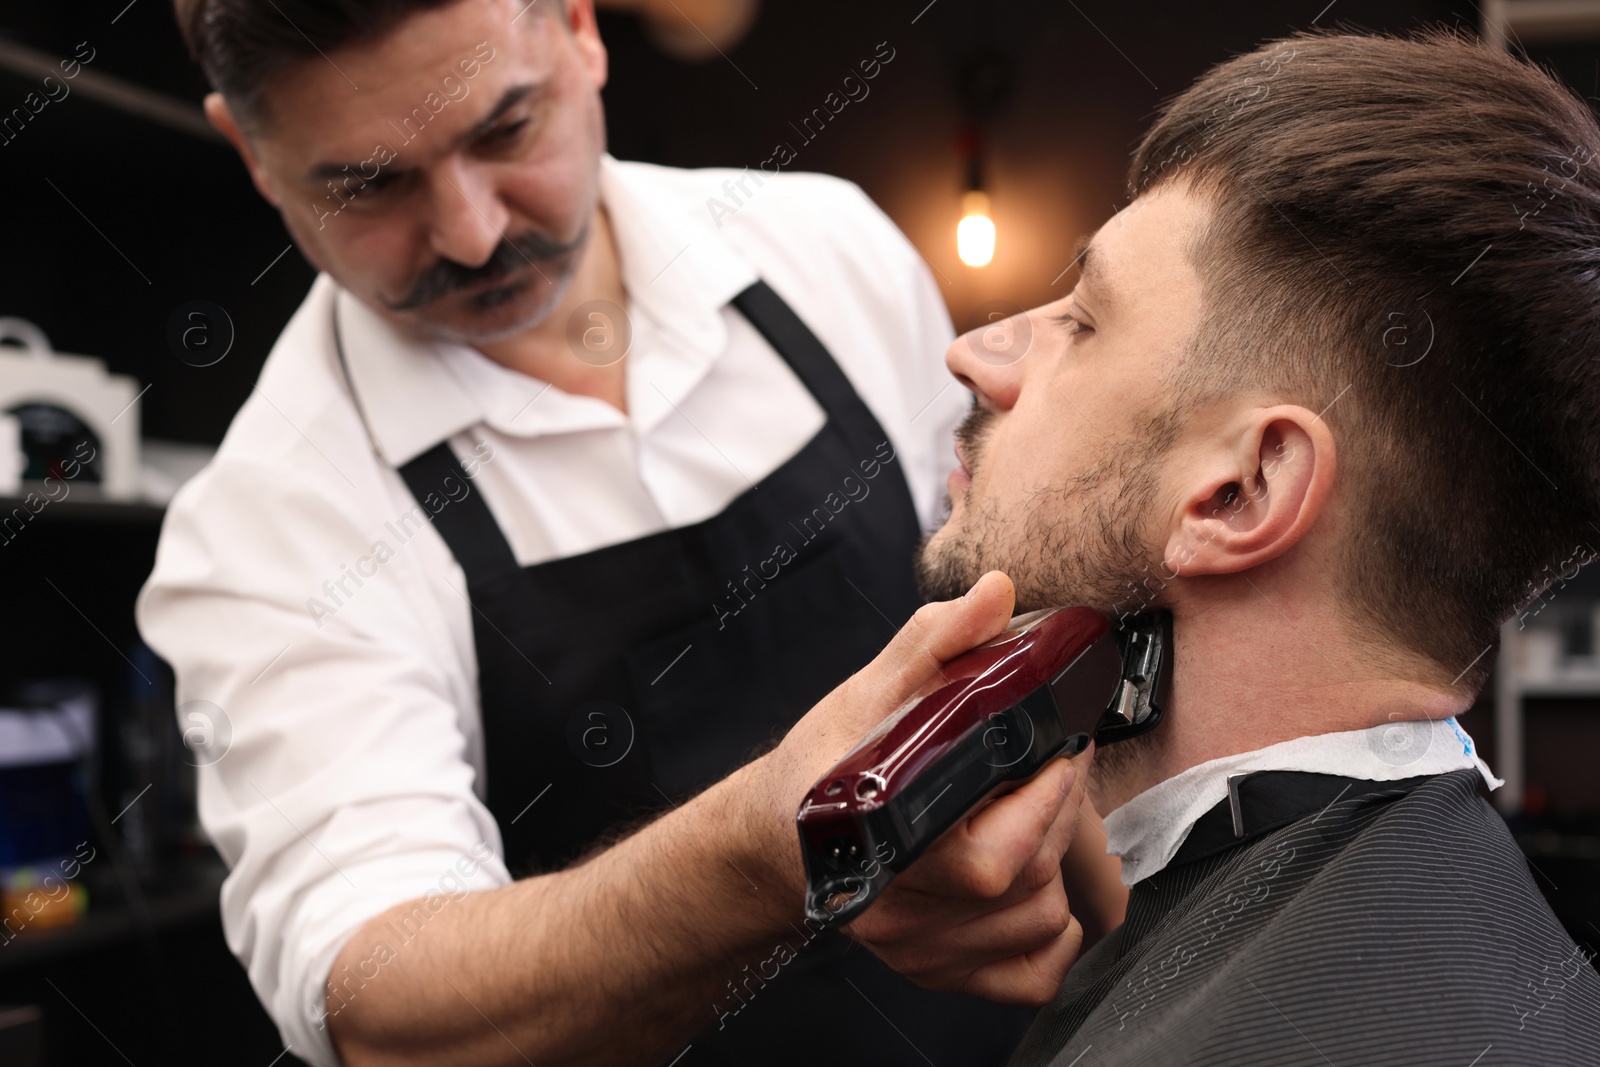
x=1312 y=918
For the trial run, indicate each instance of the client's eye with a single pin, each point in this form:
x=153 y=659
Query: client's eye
x=1069 y=322
x=1074 y=326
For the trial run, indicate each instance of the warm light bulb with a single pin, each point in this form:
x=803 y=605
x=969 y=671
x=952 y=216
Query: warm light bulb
x=975 y=231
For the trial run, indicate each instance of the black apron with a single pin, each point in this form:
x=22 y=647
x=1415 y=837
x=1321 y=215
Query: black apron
x=619 y=681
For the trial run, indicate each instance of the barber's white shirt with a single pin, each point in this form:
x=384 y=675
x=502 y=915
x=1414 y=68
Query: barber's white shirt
x=326 y=642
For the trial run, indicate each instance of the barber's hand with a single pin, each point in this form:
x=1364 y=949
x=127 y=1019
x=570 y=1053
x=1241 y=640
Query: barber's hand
x=983 y=911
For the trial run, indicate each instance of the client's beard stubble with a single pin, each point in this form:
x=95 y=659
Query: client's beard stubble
x=1095 y=559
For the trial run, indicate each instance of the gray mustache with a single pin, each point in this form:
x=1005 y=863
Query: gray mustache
x=447 y=276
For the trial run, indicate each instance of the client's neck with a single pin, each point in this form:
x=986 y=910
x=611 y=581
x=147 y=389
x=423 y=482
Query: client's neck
x=1253 y=670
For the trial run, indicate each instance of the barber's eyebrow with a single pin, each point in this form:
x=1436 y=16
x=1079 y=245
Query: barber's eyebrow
x=509 y=99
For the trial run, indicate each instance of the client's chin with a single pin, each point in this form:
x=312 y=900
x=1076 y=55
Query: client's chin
x=942 y=572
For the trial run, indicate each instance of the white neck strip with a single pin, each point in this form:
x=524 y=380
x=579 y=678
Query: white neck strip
x=1148 y=830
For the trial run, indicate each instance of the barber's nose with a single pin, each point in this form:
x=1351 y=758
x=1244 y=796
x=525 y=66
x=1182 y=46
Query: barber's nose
x=468 y=218
x=991 y=360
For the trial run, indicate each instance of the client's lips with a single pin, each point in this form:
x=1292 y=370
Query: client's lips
x=959 y=480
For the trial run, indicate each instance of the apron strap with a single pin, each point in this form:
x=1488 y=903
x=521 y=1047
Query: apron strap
x=436 y=479
x=806 y=355
x=476 y=540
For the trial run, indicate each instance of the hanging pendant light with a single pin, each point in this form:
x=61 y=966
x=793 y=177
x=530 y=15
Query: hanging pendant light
x=983 y=83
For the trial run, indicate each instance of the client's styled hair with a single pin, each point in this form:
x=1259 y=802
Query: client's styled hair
x=1407 y=234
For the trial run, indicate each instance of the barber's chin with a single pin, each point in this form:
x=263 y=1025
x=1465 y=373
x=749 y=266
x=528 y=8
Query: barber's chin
x=492 y=314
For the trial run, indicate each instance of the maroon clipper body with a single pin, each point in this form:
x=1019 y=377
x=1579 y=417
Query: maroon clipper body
x=994 y=721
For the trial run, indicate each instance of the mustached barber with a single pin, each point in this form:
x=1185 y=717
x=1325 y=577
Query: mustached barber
x=551 y=561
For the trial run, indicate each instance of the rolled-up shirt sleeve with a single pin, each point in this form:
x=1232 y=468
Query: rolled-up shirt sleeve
x=336 y=782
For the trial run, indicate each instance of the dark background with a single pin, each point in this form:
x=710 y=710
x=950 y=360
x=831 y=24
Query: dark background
x=185 y=215
x=186 y=224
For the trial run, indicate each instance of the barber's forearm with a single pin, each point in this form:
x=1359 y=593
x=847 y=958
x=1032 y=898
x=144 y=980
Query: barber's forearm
x=618 y=960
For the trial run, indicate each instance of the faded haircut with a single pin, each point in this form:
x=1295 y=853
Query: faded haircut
x=1405 y=236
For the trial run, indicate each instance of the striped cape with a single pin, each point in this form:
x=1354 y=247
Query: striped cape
x=1395 y=924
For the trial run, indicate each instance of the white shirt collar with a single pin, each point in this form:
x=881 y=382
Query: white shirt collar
x=1148 y=830
x=679 y=275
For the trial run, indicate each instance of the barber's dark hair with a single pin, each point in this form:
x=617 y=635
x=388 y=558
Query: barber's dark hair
x=1406 y=233
x=242 y=44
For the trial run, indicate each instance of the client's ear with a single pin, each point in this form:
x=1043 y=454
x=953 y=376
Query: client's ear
x=1252 y=495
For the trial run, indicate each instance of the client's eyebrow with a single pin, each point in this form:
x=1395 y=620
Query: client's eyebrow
x=1092 y=275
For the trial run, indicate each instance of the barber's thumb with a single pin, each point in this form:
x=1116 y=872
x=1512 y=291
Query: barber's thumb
x=943 y=630
x=979 y=615
x=991 y=593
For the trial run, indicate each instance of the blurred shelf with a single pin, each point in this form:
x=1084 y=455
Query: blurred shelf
x=84 y=503
x=1541 y=663
x=1565 y=684
x=189 y=894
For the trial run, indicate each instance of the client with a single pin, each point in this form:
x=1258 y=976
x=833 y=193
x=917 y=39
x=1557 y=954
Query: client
x=1327 y=391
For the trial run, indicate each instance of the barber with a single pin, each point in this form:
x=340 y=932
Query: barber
x=559 y=500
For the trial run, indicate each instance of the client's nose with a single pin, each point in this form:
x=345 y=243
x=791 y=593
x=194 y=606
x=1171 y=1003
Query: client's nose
x=990 y=359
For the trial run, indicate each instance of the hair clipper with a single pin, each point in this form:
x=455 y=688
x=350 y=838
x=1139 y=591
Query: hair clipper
x=1054 y=680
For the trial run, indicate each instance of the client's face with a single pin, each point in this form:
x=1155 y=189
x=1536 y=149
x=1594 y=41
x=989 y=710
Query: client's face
x=1063 y=468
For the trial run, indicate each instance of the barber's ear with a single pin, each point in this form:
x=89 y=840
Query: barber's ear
x=585 y=32
x=221 y=116
x=1256 y=495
